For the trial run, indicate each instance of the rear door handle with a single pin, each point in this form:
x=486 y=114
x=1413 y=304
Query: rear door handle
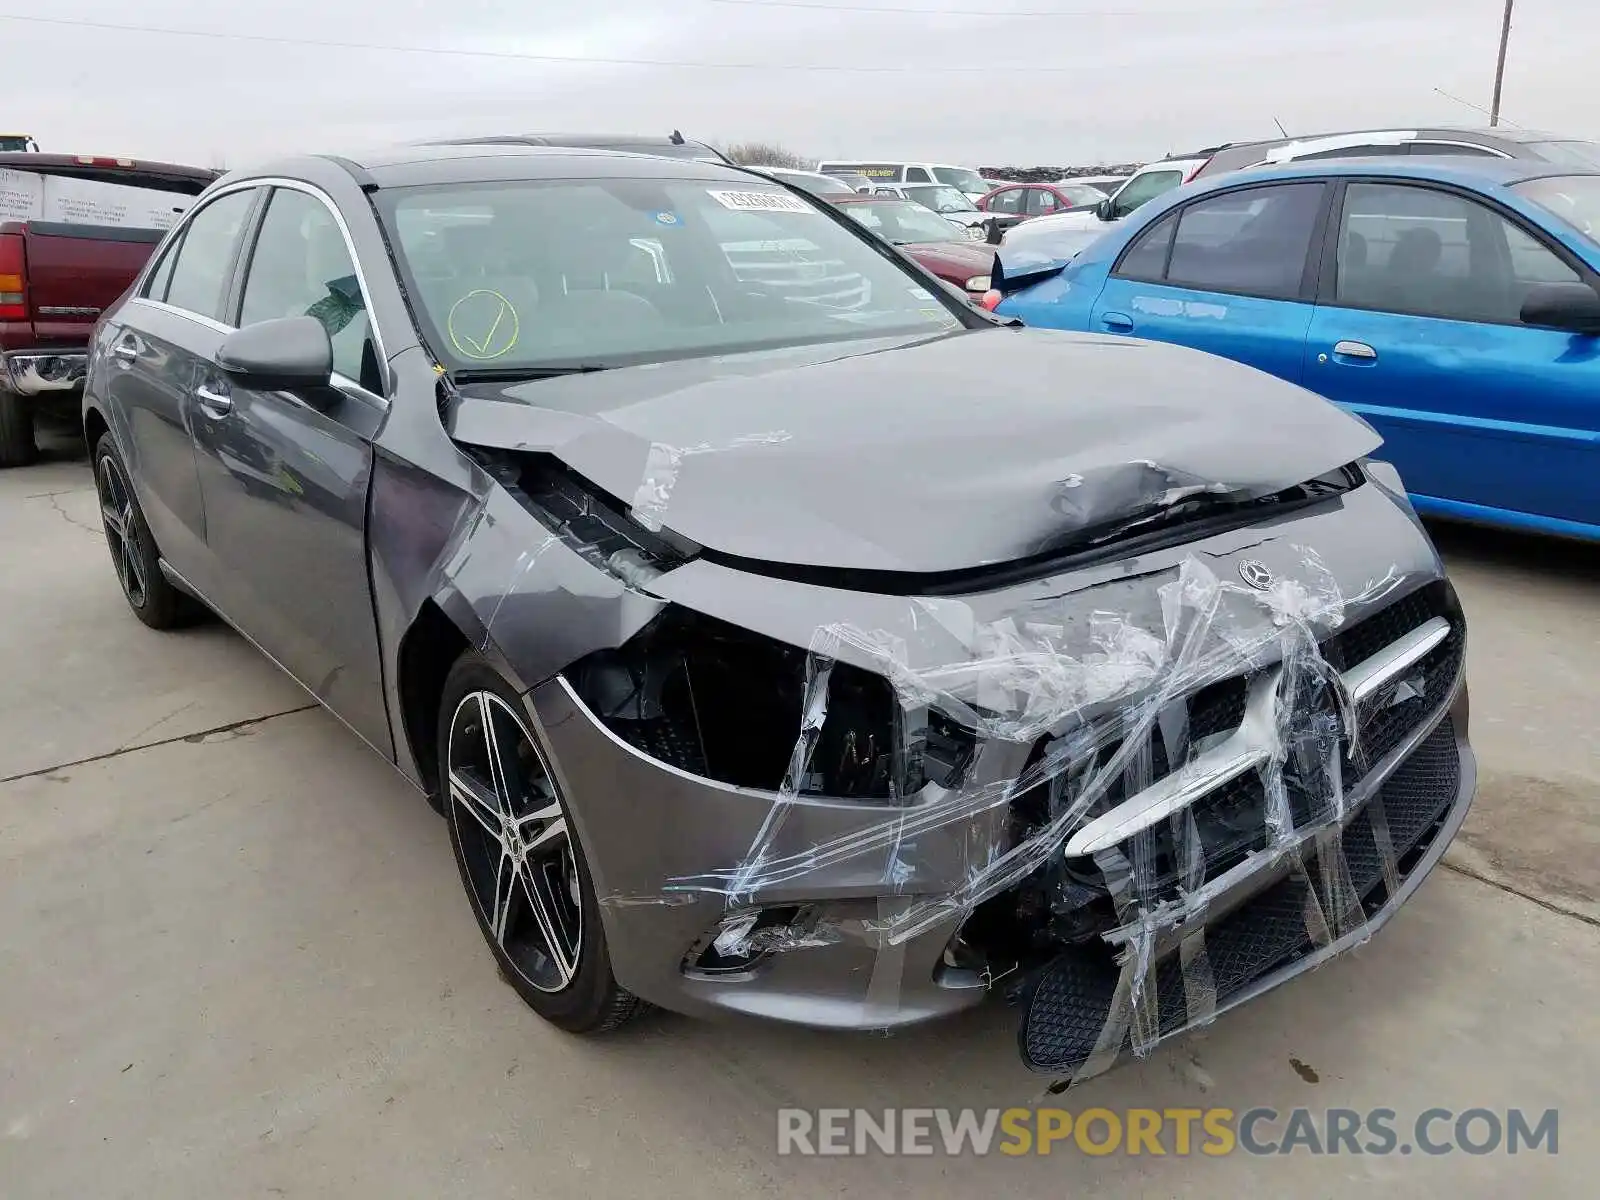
x=216 y=403
x=1117 y=322
x=1356 y=350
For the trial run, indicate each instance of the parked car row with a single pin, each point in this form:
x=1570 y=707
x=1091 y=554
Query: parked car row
x=780 y=633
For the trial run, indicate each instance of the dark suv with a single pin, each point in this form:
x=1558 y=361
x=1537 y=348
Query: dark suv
x=1387 y=143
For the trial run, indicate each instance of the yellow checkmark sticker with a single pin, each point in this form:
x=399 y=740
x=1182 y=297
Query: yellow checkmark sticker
x=483 y=325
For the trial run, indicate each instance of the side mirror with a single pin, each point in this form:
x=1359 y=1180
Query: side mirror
x=1106 y=210
x=1574 y=307
x=284 y=355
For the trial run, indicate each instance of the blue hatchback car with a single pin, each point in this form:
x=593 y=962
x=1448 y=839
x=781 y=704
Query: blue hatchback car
x=1452 y=303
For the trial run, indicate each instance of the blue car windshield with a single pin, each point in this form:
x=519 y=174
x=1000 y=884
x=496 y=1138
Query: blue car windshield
x=1573 y=198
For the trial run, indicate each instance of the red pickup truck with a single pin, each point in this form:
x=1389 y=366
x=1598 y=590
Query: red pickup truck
x=74 y=233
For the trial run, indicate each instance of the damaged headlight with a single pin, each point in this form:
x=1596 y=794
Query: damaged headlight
x=595 y=525
x=724 y=703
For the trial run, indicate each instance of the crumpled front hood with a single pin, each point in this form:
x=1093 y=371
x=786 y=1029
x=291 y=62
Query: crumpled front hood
x=968 y=450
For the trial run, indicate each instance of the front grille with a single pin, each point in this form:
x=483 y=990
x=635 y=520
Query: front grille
x=1231 y=822
x=1071 y=1001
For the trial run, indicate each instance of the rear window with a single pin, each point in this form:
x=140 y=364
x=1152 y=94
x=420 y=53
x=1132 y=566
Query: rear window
x=614 y=271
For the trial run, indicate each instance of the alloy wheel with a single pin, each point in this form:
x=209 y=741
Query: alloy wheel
x=122 y=530
x=516 y=847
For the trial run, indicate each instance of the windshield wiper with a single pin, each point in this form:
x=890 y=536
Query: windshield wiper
x=519 y=374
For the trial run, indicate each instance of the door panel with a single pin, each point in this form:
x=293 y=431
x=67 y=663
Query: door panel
x=1225 y=275
x=1497 y=416
x=152 y=355
x=148 y=371
x=286 y=497
x=285 y=477
x=1475 y=408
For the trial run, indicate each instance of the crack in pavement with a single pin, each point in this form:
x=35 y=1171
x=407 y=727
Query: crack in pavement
x=68 y=517
x=198 y=736
x=1501 y=885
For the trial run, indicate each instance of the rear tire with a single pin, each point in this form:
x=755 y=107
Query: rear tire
x=530 y=890
x=17 y=445
x=134 y=556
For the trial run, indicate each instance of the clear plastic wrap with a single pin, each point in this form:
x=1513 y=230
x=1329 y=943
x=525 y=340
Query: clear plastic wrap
x=1111 y=683
x=1093 y=774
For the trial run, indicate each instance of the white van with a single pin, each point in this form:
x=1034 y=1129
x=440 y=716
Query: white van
x=963 y=178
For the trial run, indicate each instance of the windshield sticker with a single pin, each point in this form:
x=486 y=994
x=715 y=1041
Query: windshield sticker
x=761 y=202
x=483 y=325
x=668 y=218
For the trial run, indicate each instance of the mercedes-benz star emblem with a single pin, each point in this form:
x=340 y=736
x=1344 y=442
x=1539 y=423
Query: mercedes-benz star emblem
x=1256 y=573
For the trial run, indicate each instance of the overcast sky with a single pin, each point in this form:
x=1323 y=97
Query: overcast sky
x=1120 y=80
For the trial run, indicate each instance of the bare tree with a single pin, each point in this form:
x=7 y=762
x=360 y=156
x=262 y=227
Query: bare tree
x=766 y=154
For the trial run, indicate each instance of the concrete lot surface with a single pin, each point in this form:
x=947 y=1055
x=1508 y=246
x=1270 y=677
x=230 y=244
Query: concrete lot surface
x=235 y=960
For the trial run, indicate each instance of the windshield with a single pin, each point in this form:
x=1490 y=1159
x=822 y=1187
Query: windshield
x=940 y=198
x=817 y=185
x=1573 y=198
x=1565 y=153
x=10 y=143
x=610 y=272
x=904 y=223
x=962 y=178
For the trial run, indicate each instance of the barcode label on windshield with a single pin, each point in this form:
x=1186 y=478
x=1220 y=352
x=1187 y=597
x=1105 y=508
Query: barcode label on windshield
x=761 y=202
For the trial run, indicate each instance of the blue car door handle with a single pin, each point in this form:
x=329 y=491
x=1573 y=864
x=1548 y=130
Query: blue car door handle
x=1353 y=352
x=1117 y=322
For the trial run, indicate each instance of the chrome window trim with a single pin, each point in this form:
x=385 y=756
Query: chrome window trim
x=295 y=185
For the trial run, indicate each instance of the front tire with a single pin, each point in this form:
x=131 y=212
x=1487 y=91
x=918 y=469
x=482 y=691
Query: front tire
x=519 y=857
x=133 y=550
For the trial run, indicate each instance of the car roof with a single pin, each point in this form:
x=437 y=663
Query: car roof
x=1441 y=169
x=405 y=166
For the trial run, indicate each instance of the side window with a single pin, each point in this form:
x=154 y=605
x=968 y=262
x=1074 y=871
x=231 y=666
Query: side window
x=917 y=175
x=301 y=267
x=155 y=287
x=205 y=258
x=1041 y=202
x=1146 y=259
x=1142 y=188
x=1254 y=241
x=1008 y=201
x=1432 y=253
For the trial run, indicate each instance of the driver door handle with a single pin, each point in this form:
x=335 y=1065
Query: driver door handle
x=127 y=350
x=213 y=401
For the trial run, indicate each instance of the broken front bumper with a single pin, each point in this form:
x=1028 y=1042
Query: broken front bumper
x=35 y=374
x=863 y=939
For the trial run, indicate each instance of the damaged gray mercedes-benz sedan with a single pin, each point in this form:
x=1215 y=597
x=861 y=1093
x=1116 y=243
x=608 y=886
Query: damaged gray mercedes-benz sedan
x=779 y=633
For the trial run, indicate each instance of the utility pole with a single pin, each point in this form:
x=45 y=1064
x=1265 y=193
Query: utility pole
x=1500 y=65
